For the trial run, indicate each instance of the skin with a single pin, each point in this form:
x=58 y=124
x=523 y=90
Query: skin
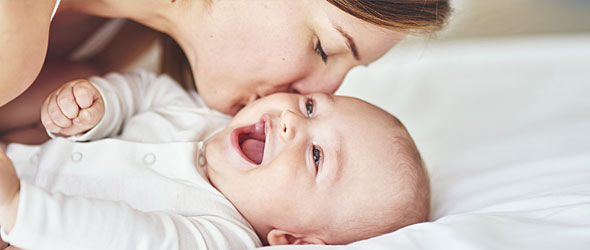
x=22 y=52
x=288 y=198
x=74 y=108
x=239 y=50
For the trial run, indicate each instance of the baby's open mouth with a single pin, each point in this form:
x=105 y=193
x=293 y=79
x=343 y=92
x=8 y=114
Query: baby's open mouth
x=251 y=140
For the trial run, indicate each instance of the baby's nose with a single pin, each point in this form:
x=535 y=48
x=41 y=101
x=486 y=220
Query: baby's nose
x=288 y=121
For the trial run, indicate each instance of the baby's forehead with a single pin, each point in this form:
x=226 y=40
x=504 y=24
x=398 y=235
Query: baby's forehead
x=377 y=151
x=366 y=120
x=372 y=140
x=358 y=108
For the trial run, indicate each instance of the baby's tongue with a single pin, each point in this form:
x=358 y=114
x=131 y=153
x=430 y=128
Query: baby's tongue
x=254 y=149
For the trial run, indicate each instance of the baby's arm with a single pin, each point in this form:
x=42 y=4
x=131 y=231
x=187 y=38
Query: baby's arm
x=57 y=221
x=122 y=97
x=74 y=108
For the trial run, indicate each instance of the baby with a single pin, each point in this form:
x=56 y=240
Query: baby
x=287 y=169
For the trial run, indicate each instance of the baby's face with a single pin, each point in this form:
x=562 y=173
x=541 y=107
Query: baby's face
x=296 y=163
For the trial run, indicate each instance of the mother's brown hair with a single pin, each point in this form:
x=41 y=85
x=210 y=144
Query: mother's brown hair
x=413 y=16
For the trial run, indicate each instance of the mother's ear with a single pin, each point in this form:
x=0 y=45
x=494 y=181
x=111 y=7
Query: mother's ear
x=280 y=237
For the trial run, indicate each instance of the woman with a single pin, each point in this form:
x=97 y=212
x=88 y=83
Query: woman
x=238 y=50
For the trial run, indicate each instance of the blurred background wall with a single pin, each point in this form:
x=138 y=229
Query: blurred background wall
x=477 y=19
x=494 y=18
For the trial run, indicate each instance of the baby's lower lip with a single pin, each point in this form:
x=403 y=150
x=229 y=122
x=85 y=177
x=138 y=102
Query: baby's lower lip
x=235 y=143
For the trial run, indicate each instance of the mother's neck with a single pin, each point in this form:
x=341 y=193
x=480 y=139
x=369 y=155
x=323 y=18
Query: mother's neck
x=157 y=14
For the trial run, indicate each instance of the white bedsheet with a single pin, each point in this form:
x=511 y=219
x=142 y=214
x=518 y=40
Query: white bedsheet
x=504 y=126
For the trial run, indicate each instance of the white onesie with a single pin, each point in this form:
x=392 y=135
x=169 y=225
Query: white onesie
x=139 y=189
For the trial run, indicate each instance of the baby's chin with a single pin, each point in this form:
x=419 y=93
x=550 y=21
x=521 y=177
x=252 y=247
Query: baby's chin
x=219 y=155
x=212 y=151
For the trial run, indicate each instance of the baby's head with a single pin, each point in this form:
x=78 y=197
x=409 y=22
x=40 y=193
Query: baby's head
x=319 y=169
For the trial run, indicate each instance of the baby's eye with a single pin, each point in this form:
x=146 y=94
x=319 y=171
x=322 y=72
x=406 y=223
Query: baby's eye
x=309 y=105
x=316 y=153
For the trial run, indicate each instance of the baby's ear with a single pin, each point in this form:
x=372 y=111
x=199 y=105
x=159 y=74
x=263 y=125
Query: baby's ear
x=280 y=237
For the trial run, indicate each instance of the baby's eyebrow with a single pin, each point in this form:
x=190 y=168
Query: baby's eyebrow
x=340 y=161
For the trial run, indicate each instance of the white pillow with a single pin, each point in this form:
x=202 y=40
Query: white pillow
x=504 y=127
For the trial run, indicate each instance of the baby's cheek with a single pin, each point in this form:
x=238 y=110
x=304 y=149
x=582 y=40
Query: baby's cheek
x=289 y=175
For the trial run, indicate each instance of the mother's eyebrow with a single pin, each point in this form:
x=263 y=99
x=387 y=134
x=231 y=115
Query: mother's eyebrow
x=349 y=42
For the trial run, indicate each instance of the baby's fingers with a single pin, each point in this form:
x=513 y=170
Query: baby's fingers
x=55 y=113
x=47 y=122
x=89 y=117
x=66 y=102
x=85 y=93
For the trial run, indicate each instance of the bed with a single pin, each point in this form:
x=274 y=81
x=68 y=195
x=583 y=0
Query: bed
x=504 y=128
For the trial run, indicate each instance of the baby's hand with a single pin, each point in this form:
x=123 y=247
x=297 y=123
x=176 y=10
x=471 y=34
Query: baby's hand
x=75 y=107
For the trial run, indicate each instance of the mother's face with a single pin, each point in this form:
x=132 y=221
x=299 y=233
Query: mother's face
x=242 y=50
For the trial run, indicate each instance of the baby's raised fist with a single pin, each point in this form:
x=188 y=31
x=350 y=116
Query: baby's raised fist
x=75 y=107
